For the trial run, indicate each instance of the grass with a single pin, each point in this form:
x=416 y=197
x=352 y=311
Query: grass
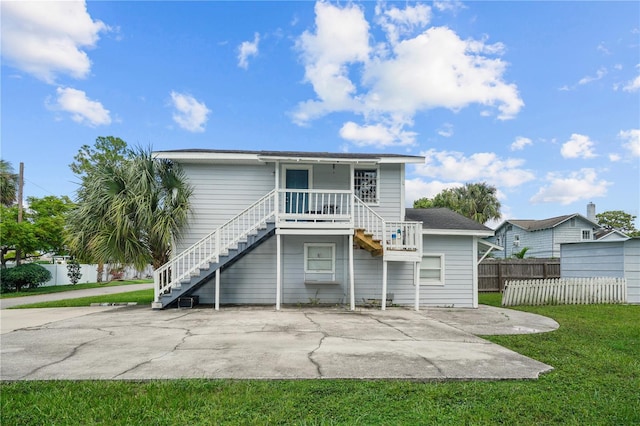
x=595 y=352
x=141 y=297
x=61 y=288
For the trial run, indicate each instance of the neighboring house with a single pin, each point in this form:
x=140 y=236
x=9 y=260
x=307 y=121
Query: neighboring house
x=611 y=258
x=307 y=227
x=543 y=237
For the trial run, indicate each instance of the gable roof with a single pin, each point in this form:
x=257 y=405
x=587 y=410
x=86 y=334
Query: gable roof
x=538 y=225
x=236 y=155
x=444 y=221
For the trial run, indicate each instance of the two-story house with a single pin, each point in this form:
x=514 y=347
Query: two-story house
x=314 y=227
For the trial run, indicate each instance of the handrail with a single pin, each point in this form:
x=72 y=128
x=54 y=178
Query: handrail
x=393 y=235
x=209 y=248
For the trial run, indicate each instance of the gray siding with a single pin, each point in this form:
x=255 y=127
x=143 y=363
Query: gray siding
x=544 y=243
x=221 y=191
x=459 y=263
x=632 y=269
x=619 y=259
x=391 y=191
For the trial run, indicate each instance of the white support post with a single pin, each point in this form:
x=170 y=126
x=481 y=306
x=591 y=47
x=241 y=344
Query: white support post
x=352 y=284
x=474 y=250
x=416 y=282
x=217 y=302
x=383 y=303
x=278 y=270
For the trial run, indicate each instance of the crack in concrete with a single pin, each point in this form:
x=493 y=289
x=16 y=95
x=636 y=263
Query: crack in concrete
x=150 y=360
x=310 y=354
x=391 y=326
x=71 y=354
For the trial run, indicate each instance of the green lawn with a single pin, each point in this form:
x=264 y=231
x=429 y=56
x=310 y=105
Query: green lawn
x=61 y=288
x=595 y=352
x=141 y=297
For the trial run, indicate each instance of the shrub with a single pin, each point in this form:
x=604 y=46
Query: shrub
x=73 y=271
x=28 y=274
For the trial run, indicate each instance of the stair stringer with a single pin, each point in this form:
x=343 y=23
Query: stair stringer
x=187 y=288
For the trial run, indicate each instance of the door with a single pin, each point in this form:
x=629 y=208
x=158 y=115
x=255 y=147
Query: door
x=296 y=202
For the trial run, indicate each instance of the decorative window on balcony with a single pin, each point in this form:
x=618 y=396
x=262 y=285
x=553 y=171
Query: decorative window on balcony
x=432 y=269
x=366 y=185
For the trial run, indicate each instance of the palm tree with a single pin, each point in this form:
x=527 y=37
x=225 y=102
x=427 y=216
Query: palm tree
x=129 y=212
x=8 y=184
x=477 y=201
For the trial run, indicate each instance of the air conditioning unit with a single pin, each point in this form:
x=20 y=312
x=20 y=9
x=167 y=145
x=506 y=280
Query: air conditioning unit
x=516 y=243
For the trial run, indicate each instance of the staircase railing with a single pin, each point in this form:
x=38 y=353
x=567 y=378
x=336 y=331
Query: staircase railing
x=209 y=248
x=393 y=235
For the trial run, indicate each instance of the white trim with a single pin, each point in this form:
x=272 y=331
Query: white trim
x=462 y=232
x=377 y=170
x=199 y=156
x=305 y=229
x=582 y=231
x=474 y=292
x=278 y=271
x=441 y=282
x=352 y=284
x=320 y=271
x=217 y=290
x=289 y=166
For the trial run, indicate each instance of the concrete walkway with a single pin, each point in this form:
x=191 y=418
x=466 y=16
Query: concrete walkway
x=261 y=343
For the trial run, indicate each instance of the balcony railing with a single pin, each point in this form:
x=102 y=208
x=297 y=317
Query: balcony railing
x=314 y=205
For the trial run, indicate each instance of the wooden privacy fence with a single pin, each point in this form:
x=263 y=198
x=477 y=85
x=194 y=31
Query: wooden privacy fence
x=565 y=291
x=493 y=273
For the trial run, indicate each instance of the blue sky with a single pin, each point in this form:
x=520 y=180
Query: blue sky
x=540 y=99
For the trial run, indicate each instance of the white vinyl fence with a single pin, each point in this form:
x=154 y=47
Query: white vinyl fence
x=89 y=274
x=565 y=291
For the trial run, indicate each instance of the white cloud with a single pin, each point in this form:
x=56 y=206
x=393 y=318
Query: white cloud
x=82 y=109
x=398 y=79
x=418 y=188
x=482 y=166
x=247 y=49
x=190 y=114
x=377 y=135
x=446 y=131
x=633 y=85
x=398 y=22
x=588 y=79
x=578 y=185
x=520 y=143
x=49 y=38
x=632 y=138
x=613 y=157
x=578 y=146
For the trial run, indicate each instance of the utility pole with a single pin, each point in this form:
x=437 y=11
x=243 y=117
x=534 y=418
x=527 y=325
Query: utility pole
x=20 y=191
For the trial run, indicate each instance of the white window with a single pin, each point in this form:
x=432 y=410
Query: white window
x=516 y=240
x=432 y=269
x=366 y=185
x=319 y=258
x=586 y=235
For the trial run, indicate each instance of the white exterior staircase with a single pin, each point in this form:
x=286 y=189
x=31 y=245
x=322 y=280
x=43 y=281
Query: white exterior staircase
x=195 y=266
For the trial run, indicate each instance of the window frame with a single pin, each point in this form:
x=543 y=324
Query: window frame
x=356 y=187
x=307 y=270
x=441 y=280
x=582 y=231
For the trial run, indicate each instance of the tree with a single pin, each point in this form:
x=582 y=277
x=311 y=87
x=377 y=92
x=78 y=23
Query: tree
x=618 y=219
x=107 y=151
x=29 y=274
x=477 y=201
x=8 y=184
x=128 y=212
x=41 y=230
x=73 y=271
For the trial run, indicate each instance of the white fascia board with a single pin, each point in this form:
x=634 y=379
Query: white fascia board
x=208 y=156
x=404 y=160
x=468 y=232
x=490 y=245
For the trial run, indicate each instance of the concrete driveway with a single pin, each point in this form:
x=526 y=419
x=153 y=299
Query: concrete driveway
x=261 y=343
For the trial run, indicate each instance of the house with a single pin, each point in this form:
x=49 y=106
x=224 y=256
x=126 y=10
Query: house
x=609 y=258
x=543 y=237
x=273 y=227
